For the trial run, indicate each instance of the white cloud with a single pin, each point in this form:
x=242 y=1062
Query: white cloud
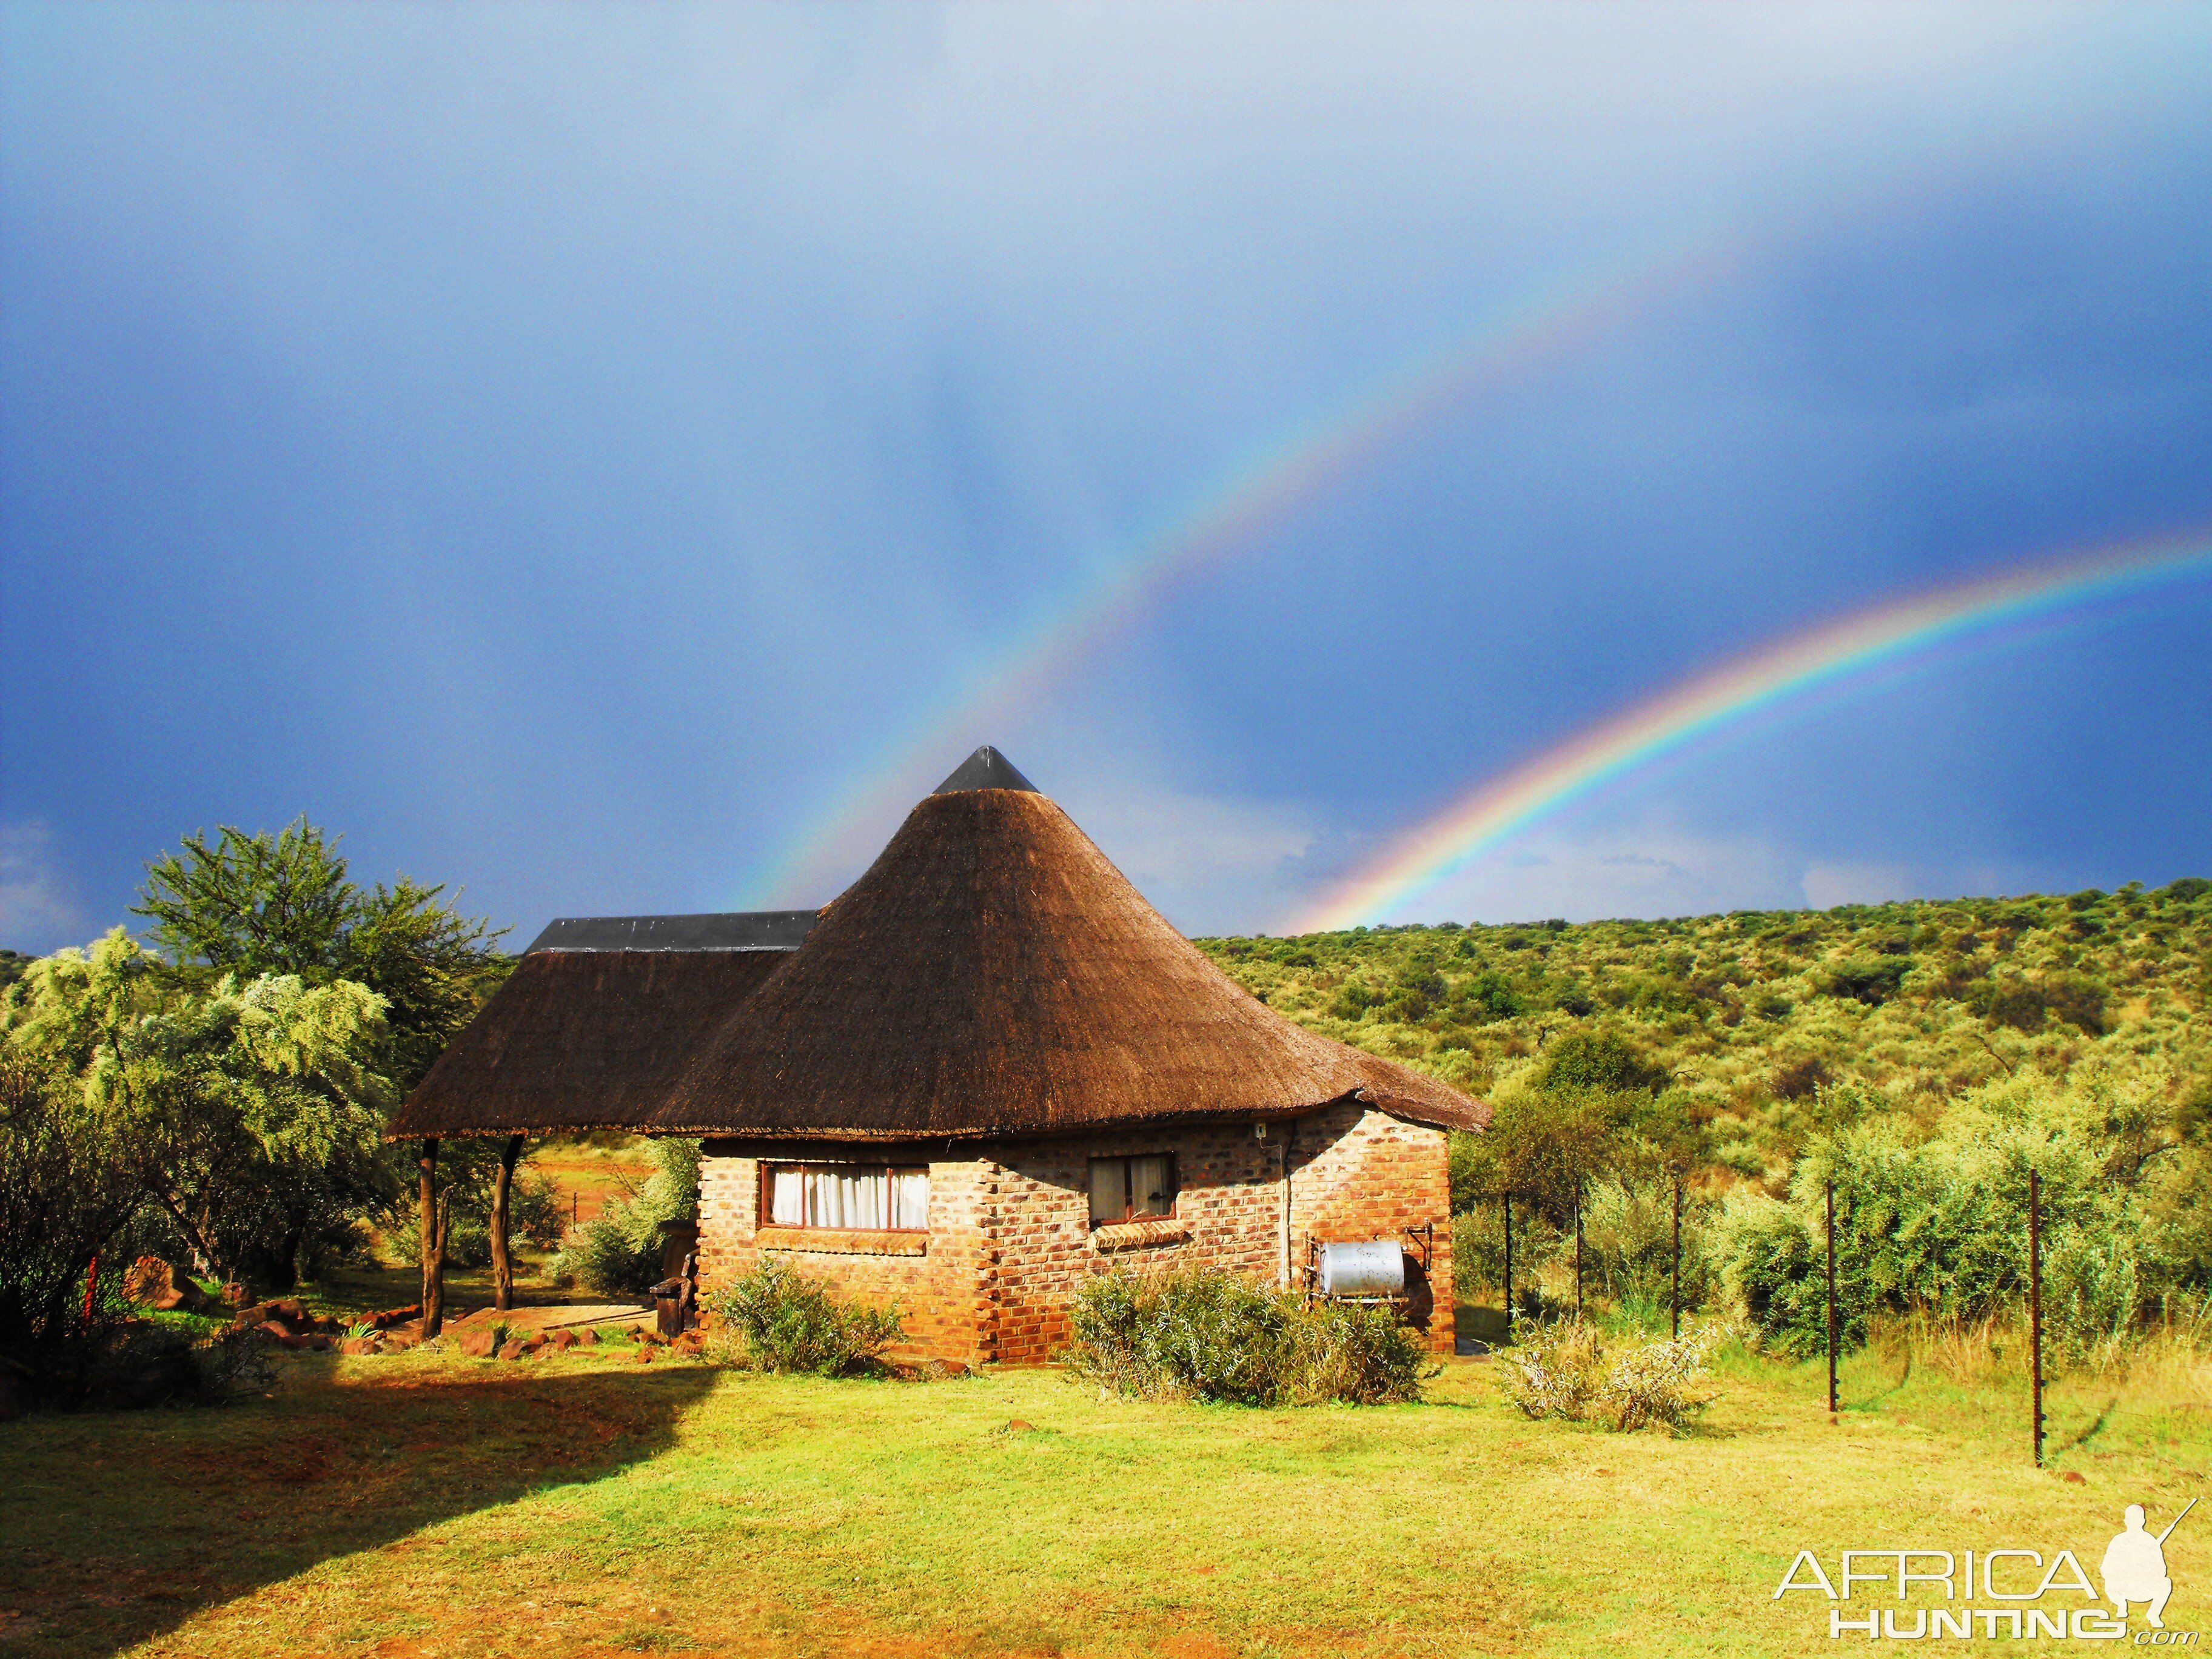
x=1828 y=884
x=1637 y=870
x=1654 y=865
x=37 y=914
x=1211 y=864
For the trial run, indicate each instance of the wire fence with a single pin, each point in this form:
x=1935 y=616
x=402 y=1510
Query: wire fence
x=1625 y=1248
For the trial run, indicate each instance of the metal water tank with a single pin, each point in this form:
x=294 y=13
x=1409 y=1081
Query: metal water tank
x=1365 y=1269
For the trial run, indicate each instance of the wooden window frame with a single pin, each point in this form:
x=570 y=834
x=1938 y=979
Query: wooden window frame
x=1125 y=1159
x=768 y=1170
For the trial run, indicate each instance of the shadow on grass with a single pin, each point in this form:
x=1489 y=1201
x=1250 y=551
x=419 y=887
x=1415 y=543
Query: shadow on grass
x=2095 y=1429
x=117 y=1526
x=1486 y=1325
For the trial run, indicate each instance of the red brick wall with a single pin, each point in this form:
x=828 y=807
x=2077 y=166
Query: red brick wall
x=940 y=1293
x=1229 y=1202
x=1010 y=1237
x=1358 y=1174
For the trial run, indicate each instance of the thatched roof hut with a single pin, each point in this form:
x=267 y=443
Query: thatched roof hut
x=991 y=975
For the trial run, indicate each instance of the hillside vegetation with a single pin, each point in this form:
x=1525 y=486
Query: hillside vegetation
x=1757 y=1014
x=1924 y=1055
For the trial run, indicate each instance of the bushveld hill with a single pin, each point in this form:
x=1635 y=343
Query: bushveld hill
x=1776 y=1022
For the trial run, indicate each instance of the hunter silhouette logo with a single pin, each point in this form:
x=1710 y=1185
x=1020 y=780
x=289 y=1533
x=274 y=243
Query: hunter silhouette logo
x=2013 y=1584
x=2134 y=1567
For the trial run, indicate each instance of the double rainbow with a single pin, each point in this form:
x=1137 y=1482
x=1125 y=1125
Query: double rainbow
x=1505 y=807
x=1223 y=522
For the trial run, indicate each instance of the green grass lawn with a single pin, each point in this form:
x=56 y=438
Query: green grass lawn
x=425 y=1504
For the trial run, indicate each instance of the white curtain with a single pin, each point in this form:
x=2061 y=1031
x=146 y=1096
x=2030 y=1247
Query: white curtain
x=910 y=1200
x=842 y=1196
x=787 y=1204
x=848 y=1196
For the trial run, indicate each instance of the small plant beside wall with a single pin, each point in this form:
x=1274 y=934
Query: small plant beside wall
x=1569 y=1370
x=1193 y=1335
x=788 y=1322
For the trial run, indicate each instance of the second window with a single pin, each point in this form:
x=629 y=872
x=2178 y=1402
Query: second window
x=1132 y=1188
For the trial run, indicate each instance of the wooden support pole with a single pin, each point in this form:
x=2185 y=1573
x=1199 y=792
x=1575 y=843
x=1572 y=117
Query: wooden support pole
x=1674 y=1329
x=2035 y=1302
x=434 y=1252
x=433 y=1311
x=502 y=1263
x=1831 y=1298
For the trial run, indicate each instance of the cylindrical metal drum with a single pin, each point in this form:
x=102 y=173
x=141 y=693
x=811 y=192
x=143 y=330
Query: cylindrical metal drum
x=1376 y=1269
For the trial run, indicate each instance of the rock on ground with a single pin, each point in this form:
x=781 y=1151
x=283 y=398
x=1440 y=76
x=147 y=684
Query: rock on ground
x=154 y=1283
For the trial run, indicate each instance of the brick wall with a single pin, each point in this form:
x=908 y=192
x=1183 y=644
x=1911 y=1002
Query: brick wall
x=1358 y=1174
x=1229 y=1213
x=940 y=1290
x=1010 y=1237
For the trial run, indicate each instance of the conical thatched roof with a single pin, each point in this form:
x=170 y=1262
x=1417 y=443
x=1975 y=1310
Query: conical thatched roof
x=993 y=974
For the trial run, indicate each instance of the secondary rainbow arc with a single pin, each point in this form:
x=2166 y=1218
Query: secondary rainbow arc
x=1500 y=809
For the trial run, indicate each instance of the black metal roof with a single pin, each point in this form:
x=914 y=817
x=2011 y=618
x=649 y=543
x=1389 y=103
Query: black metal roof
x=986 y=769
x=729 y=930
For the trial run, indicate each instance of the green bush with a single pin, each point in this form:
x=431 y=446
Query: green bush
x=1598 y=1062
x=1627 y=1251
x=1197 y=1335
x=68 y=1190
x=468 y=1242
x=2077 y=1000
x=138 y=1363
x=788 y=1322
x=1569 y=1370
x=1541 y=1252
x=1937 y=1227
x=1354 y=1000
x=618 y=1252
x=1490 y=996
x=231 y=1363
x=535 y=1210
x=1628 y=1247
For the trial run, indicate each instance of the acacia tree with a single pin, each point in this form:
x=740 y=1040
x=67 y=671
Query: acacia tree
x=238 y=1081
x=285 y=904
x=1592 y=1108
x=62 y=1197
x=248 y=1113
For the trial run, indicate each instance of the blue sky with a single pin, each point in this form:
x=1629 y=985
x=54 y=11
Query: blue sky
x=569 y=450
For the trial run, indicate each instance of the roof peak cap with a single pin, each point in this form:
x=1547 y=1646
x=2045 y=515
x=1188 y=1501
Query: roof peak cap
x=986 y=769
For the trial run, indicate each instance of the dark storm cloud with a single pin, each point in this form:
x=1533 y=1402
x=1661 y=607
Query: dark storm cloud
x=561 y=447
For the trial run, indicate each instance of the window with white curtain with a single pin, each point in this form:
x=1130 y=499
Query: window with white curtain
x=1132 y=1188
x=856 y=1197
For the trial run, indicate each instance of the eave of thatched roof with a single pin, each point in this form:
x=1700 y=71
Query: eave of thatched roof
x=582 y=1039
x=992 y=974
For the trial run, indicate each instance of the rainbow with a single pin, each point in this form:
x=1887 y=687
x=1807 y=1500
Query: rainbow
x=1207 y=532
x=1505 y=807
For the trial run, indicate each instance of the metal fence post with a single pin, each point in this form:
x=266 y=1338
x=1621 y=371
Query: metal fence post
x=1831 y=1298
x=2035 y=1302
x=1675 y=1332
x=1578 y=1250
x=1509 y=1265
